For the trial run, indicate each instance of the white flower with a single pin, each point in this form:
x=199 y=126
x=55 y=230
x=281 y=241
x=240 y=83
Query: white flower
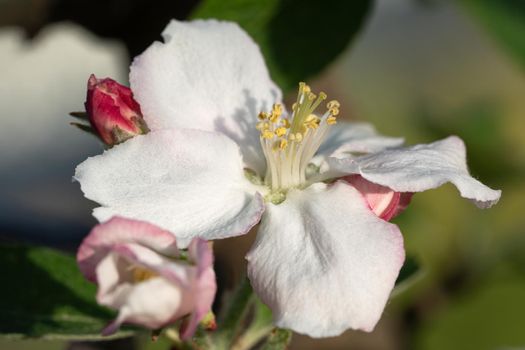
x=323 y=260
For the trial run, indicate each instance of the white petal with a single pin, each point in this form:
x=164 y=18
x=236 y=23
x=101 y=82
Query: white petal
x=353 y=137
x=153 y=304
x=207 y=75
x=421 y=167
x=189 y=182
x=112 y=277
x=324 y=262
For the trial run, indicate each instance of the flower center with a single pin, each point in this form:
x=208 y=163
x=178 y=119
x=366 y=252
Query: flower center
x=141 y=274
x=289 y=143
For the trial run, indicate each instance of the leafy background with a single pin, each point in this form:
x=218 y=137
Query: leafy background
x=418 y=69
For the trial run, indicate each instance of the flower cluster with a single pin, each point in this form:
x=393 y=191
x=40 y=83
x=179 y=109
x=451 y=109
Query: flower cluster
x=224 y=155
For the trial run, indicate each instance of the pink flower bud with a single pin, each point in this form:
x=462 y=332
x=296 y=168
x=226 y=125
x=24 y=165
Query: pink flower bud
x=141 y=273
x=112 y=111
x=383 y=201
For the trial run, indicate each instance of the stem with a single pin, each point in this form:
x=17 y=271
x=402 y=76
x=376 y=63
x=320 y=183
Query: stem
x=259 y=328
x=233 y=316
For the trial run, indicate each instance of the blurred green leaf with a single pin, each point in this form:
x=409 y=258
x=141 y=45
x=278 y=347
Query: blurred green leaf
x=44 y=295
x=487 y=318
x=410 y=273
x=409 y=269
x=505 y=20
x=298 y=37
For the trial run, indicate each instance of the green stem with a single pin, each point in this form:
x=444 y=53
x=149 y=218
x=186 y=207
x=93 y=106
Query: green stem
x=233 y=316
x=259 y=328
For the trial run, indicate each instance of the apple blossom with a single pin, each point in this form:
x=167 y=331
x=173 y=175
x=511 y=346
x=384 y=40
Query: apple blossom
x=112 y=111
x=141 y=273
x=224 y=154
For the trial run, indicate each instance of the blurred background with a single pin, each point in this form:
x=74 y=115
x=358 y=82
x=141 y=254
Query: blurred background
x=417 y=69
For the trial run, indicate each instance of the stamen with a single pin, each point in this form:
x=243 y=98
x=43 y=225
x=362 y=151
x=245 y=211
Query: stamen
x=141 y=274
x=280 y=131
x=261 y=126
x=289 y=143
x=267 y=134
x=263 y=116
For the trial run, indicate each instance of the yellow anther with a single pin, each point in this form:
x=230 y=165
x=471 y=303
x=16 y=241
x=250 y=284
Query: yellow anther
x=306 y=89
x=285 y=123
x=280 y=145
x=274 y=118
x=333 y=104
x=331 y=120
x=141 y=274
x=310 y=118
x=298 y=137
x=262 y=125
x=280 y=131
x=322 y=95
x=267 y=134
x=311 y=96
x=312 y=121
x=277 y=109
x=334 y=111
x=263 y=116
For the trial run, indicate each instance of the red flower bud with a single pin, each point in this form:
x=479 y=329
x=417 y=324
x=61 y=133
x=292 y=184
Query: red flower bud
x=112 y=111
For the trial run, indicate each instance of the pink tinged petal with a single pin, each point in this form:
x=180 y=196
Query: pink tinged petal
x=404 y=200
x=323 y=262
x=201 y=253
x=384 y=202
x=189 y=182
x=118 y=231
x=419 y=168
x=204 y=297
x=207 y=75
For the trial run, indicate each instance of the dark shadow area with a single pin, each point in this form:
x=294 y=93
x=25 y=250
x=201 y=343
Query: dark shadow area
x=306 y=35
x=137 y=23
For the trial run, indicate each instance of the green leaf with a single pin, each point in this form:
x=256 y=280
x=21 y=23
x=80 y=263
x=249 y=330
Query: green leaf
x=86 y=128
x=297 y=37
x=504 y=20
x=44 y=295
x=80 y=115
